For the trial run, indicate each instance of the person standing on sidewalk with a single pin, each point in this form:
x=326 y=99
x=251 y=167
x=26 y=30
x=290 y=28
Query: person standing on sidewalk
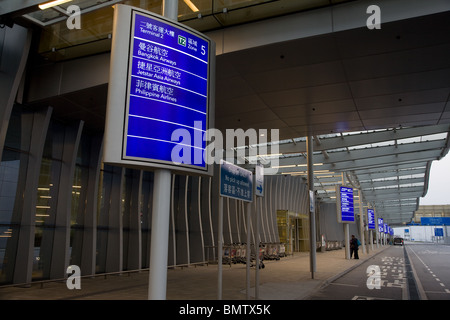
x=354 y=245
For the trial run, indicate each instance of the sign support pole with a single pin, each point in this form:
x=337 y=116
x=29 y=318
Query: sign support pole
x=346 y=228
x=159 y=246
x=312 y=216
x=377 y=231
x=249 y=247
x=347 y=240
x=259 y=193
x=257 y=266
x=361 y=222
x=220 y=249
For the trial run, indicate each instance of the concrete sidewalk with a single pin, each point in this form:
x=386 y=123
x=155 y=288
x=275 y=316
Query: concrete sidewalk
x=285 y=279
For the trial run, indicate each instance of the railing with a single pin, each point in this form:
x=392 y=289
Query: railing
x=97 y=275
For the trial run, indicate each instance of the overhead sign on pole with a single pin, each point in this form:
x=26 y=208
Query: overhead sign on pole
x=439 y=232
x=259 y=180
x=235 y=182
x=380 y=225
x=160 y=95
x=345 y=205
x=371 y=219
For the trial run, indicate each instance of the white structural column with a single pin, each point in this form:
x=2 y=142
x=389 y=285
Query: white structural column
x=15 y=44
x=88 y=252
x=114 y=249
x=61 y=240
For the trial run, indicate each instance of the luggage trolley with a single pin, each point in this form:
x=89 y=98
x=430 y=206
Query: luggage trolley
x=226 y=255
x=260 y=257
x=282 y=251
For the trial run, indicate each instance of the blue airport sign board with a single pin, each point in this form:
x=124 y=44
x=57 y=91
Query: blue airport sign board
x=259 y=180
x=167 y=92
x=435 y=221
x=345 y=205
x=371 y=219
x=380 y=225
x=439 y=232
x=235 y=182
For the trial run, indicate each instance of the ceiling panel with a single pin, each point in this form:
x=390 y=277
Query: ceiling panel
x=297 y=77
x=318 y=108
x=403 y=99
x=398 y=62
x=404 y=110
x=306 y=96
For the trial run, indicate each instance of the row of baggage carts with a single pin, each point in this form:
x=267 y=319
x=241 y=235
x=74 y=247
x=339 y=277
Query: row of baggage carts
x=237 y=253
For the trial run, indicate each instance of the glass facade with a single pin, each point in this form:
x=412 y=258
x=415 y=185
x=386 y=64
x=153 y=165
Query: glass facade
x=60 y=205
x=81 y=211
x=15 y=156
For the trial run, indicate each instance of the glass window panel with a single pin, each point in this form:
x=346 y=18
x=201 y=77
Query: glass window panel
x=13 y=166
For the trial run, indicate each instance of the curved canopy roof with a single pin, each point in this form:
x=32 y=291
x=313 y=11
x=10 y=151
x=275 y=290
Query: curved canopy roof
x=389 y=166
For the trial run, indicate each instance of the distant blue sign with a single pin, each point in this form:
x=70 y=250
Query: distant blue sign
x=371 y=219
x=259 y=180
x=345 y=206
x=380 y=225
x=435 y=221
x=439 y=232
x=235 y=182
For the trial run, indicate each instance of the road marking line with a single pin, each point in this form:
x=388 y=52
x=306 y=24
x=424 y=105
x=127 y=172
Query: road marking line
x=344 y=284
x=438 y=292
x=422 y=294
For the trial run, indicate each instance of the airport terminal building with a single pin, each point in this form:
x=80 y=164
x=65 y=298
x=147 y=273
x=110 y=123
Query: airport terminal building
x=369 y=106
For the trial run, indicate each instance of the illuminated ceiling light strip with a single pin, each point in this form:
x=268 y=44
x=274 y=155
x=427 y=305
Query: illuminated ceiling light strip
x=52 y=4
x=286 y=166
x=191 y=5
x=305 y=165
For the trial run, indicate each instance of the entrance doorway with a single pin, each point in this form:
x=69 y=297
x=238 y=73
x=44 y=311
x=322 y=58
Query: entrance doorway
x=293 y=231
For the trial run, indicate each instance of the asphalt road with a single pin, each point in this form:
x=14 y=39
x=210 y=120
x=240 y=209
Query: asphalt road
x=380 y=277
x=431 y=265
x=411 y=272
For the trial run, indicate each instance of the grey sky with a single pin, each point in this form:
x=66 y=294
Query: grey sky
x=439 y=183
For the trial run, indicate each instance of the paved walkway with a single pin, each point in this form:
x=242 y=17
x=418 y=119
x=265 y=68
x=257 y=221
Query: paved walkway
x=285 y=279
